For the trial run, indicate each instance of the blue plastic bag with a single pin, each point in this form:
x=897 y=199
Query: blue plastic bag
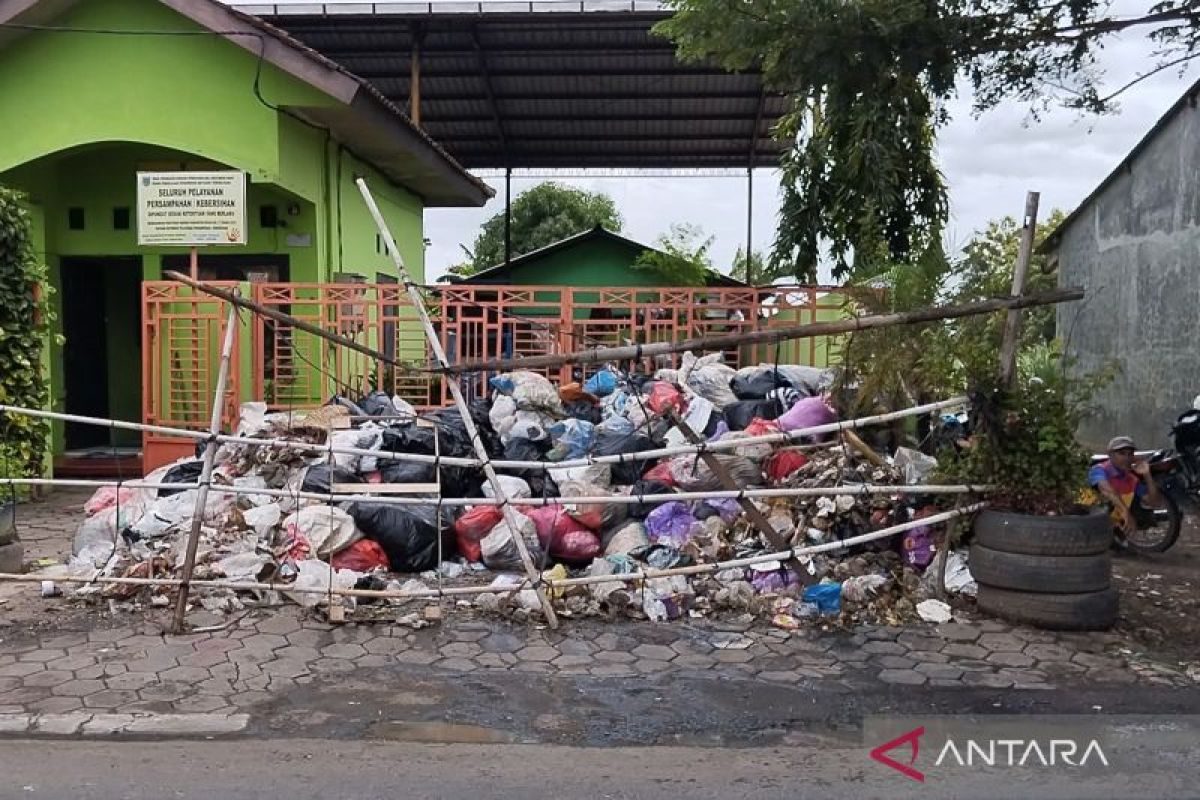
x=601 y=384
x=827 y=597
x=502 y=384
x=573 y=438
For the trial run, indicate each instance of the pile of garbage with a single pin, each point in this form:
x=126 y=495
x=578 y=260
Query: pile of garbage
x=294 y=542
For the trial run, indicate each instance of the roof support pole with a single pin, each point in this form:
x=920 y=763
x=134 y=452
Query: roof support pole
x=507 y=215
x=750 y=276
x=414 y=83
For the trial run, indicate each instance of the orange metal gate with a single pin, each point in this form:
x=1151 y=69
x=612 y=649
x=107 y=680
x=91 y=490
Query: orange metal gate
x=182 y=332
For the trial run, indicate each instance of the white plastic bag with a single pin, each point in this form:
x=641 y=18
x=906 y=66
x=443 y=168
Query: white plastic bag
x=315 y=574
x=502 y=414
x=368 y=437
x=596 y=474
x=916 y=466
x=263 y=519
x=328 y=529
x=510 y=484
x=500 y=551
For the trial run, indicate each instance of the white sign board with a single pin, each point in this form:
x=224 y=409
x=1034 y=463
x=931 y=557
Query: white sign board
x=191 y=208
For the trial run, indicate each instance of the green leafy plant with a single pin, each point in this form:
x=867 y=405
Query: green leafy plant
x=1024 y=437
x=25 y=319
x=681 y=258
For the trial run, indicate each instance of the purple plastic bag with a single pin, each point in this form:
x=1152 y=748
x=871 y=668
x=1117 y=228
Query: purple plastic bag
x=773 y=581
x=726 y=507
x=670 y=524
x=918 y=547
x=808 y=412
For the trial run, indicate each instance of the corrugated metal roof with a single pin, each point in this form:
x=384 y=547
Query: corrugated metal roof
x=544 y=89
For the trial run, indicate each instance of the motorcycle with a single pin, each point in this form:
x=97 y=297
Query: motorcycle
x=1176 y=472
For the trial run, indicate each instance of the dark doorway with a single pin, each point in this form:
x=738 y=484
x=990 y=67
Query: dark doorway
x=101 y=321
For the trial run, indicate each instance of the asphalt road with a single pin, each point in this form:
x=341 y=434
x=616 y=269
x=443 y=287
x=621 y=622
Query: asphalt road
x=303 y=768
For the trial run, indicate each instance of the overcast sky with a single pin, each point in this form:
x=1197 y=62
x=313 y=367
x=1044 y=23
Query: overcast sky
x=989 y=162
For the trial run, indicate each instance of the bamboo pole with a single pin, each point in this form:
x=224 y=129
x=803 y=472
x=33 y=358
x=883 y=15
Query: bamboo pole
x=861 y=489
x=511 y=516
x=601 y=354
x=210 y=457
x=620 y=458
x=1012 y=322
x=752 y=512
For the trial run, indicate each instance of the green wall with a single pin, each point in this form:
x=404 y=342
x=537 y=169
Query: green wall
x=80 y=114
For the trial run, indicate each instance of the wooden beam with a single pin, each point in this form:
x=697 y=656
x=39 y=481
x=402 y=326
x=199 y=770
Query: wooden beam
x=603 y=354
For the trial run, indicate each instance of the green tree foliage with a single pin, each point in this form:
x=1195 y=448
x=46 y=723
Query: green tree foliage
x=869 y=79
x=25 y=318
x=542 y=215
x=681 y=257
x=762 y=272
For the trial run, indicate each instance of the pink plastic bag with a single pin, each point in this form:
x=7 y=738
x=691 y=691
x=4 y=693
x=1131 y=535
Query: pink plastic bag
x=107 y=497
x=807 y=413
x=563 y=536
x=665 y=396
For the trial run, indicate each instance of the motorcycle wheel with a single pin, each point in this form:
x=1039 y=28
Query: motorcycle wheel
x=1158 y=528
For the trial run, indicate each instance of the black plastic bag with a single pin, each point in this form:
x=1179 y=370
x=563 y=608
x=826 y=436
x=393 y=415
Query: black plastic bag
x=408 y=534
x=627 y=472
x=642 y=488
x=453 y=440
x=660 y=556
x=739 y=415
x=320 y=478
x=540 y=482
x=584 y=410
x=187 y=472
x=407 y=472
x=759 y=385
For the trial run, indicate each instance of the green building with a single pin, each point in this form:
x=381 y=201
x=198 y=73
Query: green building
x=94 y=91
x=596 y=257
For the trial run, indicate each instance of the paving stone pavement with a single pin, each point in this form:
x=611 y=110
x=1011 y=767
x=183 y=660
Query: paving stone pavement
x=133 y=668
x=125 y=665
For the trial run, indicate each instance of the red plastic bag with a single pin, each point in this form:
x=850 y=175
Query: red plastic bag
x=665 y=395
x=761 y=427
x=661 y=473
x=563 y=536
x=782 y=463
x=471 y=528
x=362 y=556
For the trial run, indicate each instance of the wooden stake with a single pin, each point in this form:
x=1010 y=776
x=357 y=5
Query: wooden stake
x=210 y=455
x=756 y=517
x=511 y=516
x=1009 y=345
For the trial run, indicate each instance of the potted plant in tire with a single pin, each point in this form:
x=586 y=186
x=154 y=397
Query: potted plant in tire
x=1038 y=556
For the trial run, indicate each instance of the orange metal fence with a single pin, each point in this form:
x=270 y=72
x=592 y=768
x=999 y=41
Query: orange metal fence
x=182 y=331
x=289 y=368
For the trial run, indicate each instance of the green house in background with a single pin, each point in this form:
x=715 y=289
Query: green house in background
x=597 y=257
x=86 y=102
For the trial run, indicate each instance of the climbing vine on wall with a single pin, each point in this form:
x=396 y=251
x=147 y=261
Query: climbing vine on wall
x=25 y=319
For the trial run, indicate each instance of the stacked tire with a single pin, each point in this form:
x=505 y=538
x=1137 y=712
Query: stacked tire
x=1050 y=572
x=12 y=554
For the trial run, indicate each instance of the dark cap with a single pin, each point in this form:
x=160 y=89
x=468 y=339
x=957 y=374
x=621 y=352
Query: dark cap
x=1121 y=443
